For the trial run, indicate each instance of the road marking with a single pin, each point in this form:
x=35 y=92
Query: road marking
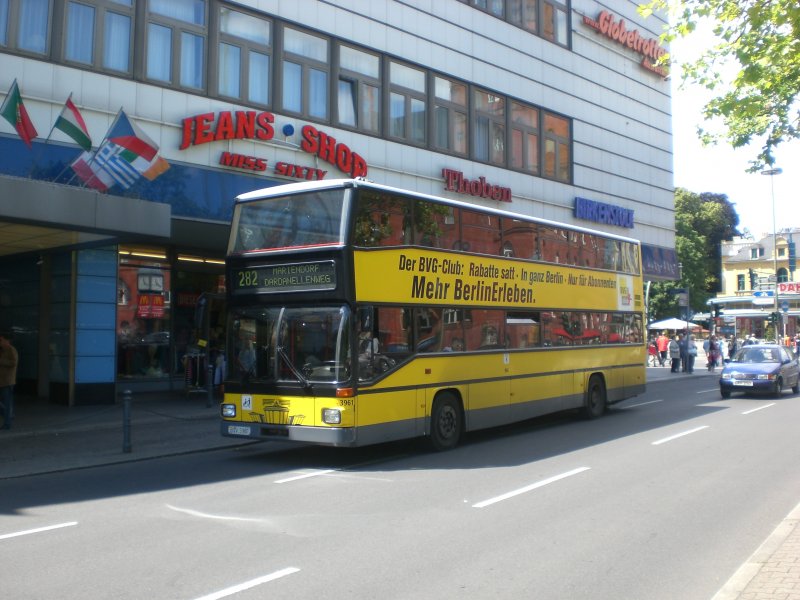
x=235 y=589
x=306 y=475
x=678 y=435
x=197 y=513
x=707 y=391
x=752 y=410
x=38 y=530
x=529 y=488
x=640 y=404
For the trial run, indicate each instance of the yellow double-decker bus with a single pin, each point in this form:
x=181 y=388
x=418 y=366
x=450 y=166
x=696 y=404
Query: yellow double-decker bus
x=360 y=313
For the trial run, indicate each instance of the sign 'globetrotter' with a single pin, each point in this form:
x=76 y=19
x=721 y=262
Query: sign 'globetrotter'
x=615 y=29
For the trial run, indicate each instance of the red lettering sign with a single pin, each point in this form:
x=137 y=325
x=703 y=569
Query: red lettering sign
x=454 y=181
x=337 y=154
x=789 y=287
x=241 y=125
x=240 y=161
x=616 y=30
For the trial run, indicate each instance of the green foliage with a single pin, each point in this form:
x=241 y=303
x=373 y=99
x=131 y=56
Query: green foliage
x=702 y=221
x=760 y=38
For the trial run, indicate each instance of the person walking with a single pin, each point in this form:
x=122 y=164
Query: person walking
x=713 y=353
x=691 y=353
x=683 y=340
x=662 y=343
x=675 y=354
x=8 y=378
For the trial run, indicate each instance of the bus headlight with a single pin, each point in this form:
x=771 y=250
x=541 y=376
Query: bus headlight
x=331 y=416
x=228 y=410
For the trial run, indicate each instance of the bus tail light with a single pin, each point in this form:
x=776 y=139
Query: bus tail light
x=228 y=410
x=331 y=416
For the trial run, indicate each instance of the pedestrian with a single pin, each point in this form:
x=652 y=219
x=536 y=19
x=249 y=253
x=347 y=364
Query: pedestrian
x=723 y=350
x=652 y=353
x=8 y=378
x=713 y=353
x=691 y=353
x=683 y=339
x=675 y=354
x=662 y=343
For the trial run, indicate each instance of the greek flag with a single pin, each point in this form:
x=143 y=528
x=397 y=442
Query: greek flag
x=116 y=161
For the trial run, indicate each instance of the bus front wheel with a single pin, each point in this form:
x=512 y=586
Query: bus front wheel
x=446 y=423
x=595 y=404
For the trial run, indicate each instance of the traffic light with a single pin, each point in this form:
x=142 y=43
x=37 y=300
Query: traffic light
x=753 y=279
x=717 y=310
x=774 y=317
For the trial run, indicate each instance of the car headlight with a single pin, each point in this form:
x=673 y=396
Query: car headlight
x=726 y=376
x=228 y=410
x=331 y=416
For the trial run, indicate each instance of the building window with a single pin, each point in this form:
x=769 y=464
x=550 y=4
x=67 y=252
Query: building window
x=176 y=41
x=489 y=128
x=783 y=275
x=523 y=13
x=245 y=56
x=305 y=73
x=740 y=283
x=756 y=252
x=781 y=252
x=99 y=35
x=557 y=159
x=450 y=115
x=24 y=25
x=555 y=25
x=359 y=90
x=407 y=103
x=524 y=138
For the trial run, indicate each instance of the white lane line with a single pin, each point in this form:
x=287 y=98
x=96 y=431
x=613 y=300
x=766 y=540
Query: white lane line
x=235 y=589
x=197 y=513
x=640 y=404
x=529 y=488
x=752 y=410
x=679 y=435
x=37 y=530
x=306 y=476
x=707 y=391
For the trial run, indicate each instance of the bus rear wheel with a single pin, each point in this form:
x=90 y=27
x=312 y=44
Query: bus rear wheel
x=595 y=403
x=446 y=423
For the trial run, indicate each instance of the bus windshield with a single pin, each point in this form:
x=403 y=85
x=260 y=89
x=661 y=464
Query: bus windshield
x=294 y=221
x=305 y=345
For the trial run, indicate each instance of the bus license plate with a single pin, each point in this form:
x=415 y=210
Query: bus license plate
x=743 y=382
x=238 y=430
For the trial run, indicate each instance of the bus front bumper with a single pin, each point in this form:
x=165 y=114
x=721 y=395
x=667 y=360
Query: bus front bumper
x=330 y=436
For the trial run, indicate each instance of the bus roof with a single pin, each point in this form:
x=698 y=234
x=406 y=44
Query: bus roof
x=328 y=184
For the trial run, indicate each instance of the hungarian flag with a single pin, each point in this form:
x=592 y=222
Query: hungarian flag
x=15 y=113
x=71 y=122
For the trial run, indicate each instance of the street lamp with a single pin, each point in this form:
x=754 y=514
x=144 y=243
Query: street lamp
x=772 y=173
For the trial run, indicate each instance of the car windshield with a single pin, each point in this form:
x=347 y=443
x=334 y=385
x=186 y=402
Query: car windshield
x=757 y=355
x=305 y=345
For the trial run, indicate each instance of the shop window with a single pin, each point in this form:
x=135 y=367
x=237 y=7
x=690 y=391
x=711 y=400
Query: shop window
x=450 y=115
x=305 y=69
x=407 y=102
x=176 y=42
x=359 y=89
x=524 y=138
x=556 y=147
x=489 y=128
x=100 y=35
x=245 y=56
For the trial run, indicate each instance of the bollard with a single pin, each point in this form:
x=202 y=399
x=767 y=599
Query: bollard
x=210 y=384
x=126 y=421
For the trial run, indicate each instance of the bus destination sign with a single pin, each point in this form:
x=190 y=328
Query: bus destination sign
x=292 y=277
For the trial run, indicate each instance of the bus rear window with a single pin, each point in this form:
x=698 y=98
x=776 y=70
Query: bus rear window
x=295 y=221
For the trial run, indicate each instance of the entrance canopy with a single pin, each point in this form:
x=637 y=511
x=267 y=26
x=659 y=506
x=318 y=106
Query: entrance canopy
x=673 y=323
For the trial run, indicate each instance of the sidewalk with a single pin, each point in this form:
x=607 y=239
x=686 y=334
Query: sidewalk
x=48 y=438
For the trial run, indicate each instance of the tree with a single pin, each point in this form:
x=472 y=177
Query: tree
x=762 y=39
x=702 y=221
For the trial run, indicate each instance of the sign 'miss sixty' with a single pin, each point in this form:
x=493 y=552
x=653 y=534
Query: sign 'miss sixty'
x=253 y=125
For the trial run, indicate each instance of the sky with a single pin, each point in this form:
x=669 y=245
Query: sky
x=722 y=170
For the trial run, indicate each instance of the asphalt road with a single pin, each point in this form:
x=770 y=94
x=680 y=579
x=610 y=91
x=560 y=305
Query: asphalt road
x=663 y=498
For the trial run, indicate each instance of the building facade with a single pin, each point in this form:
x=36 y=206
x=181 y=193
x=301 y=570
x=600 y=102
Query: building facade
x=760 y=291
x=150 y=116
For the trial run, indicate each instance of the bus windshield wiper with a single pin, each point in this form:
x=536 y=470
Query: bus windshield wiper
x=292 y=368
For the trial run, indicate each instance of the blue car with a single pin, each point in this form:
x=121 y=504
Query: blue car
x=760 y=368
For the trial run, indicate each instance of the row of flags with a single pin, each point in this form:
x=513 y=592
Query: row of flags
x=125 y=154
